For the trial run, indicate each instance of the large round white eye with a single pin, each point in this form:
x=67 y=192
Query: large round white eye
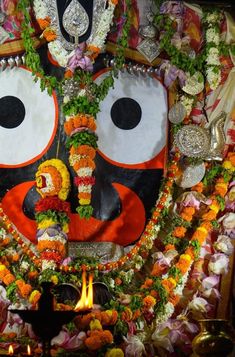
x=132 y=122
x=28 y=118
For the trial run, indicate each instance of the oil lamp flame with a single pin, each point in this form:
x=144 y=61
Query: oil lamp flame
x=28 y=350
x=86 y=300
x=10 y=350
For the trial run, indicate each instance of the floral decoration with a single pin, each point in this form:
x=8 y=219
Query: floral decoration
x=169 y=278
x=52 y=212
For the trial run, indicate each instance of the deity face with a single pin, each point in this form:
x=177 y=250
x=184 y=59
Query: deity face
x=131 y=128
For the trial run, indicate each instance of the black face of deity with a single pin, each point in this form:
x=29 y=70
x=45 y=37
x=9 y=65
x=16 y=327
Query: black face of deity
x=131 y=127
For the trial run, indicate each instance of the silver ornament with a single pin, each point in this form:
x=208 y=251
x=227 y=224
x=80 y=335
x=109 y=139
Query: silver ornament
x=193 y=141
x=192 y=175
x=177 y=113
x=3 y=64
x=11 y=62
x=18 y=61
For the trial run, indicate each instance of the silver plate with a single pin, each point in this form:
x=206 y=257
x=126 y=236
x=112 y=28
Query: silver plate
x=193 y=141
x=177 y=113
x=103 y=251
x=192 y=175
x=194 y=84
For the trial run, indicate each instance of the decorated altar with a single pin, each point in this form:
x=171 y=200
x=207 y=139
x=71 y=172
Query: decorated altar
x=117 y=161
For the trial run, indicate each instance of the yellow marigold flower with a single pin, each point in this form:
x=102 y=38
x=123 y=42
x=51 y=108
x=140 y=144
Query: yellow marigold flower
x=34 y=297
x=2 y=267
x=172 y=280
x=227 y=165
x=54 y=279
x=82 y=201
x=114 y=352
x=95 y=325
x=149 y=301
x=202 y=229
x=46 y=223
x=215 y=208
x=186 y=257
x=65 y=227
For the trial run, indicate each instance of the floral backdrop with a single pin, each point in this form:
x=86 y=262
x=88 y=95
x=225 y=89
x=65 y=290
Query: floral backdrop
x=153 y=295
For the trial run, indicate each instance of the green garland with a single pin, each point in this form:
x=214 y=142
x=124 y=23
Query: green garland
x=32 y=58
x=177 y=57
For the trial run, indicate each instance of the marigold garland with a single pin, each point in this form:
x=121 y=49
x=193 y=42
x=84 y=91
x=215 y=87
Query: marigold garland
x=51 y=211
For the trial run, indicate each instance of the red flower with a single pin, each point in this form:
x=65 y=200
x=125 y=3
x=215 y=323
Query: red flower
x=52 y=203
x=48 y=255
x=87 y=180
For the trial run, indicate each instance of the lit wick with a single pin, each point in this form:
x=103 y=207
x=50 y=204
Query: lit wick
x=10 y=350
x=28 y=350
x=86 y=300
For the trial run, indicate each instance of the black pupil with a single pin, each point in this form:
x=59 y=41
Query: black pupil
x=126 y=113
x=12 y=112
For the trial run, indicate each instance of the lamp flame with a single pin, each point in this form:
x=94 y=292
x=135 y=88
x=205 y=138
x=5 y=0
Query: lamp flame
x=10 y=350
x=86 y=300
x=28 y=350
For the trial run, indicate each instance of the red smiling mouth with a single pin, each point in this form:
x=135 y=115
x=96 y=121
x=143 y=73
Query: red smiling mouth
x=123 y=230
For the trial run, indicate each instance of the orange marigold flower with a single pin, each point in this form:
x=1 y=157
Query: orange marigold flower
x=108 y=317
x=155 y=294
x=231 y=157
x=182 y=266
x=84 y=195
x=8 y=279
x=126 y=315
x=93 y=342
x=199 y=187
x=15 y=257
x=98 y=339
x=169 y=247
x=221 y=188
x=207 y=225
x=173 y=298
x=84 y=150
x=118 y=281
x=44 y=23
x=158 y=269
x=68 y=74
x=187 y=213
x=168 y=285
x=149 y=301
x=179 y=232
x=25 y=290
x=93 y=51
x=32 y=274
x=49 y=34
x=199 y=237
x=82 y=322
x=5 y=242
x=189 y=210
x=190 y=252
x=84 y=163
x=147 y=284
x=209 y=216
x=136 y=314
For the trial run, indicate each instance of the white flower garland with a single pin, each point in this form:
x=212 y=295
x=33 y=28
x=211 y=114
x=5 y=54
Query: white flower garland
x=213 y=72
x=97 y=39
